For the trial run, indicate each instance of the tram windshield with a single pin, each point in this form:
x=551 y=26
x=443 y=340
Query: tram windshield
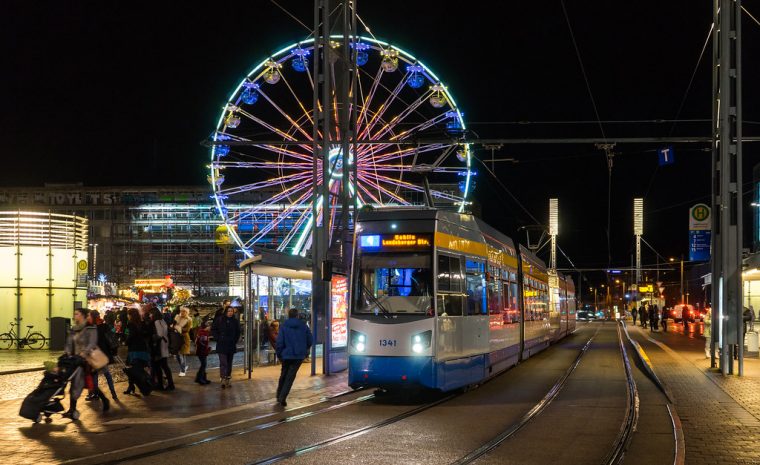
x=395 y=284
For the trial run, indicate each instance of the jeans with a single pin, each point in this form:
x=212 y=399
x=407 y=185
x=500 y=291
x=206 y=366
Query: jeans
x=225 y=364
x=287 y=376
x=109 y=379
x=182 y=362
x=201 y=375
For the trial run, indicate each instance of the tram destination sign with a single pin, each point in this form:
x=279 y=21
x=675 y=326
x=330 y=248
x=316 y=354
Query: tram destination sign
x=383 y=242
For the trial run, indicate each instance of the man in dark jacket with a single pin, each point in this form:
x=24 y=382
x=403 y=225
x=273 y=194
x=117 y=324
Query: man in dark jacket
x=226 y=331
x=293 y=344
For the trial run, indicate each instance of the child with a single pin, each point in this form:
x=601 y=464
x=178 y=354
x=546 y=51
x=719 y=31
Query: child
x=202 y=349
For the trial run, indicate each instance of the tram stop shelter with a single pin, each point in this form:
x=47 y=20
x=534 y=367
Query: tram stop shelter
x=274 y=282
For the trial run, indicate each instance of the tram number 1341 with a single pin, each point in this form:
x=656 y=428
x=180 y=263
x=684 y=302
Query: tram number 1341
x=387 y=343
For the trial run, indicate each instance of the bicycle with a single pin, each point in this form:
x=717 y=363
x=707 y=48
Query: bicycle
x=32 y=340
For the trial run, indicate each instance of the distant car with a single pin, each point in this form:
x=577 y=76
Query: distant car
x=585 y=315
x=681 y=311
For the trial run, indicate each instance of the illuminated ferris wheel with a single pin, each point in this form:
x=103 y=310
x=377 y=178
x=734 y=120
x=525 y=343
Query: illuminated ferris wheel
x=399 y=99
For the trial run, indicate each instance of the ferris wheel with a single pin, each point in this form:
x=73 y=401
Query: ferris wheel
x=263 y=190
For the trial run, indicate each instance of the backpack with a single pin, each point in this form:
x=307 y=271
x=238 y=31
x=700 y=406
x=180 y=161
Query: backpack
x=112 y=341
x=175 y=341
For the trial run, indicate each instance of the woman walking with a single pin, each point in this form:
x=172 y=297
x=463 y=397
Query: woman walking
x=137 y=344
x=93 y=319
x=226 y=332
x=81 y=340
x=160 y=351
x=182 y=324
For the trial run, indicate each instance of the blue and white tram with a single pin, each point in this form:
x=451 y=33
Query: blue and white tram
x=442 y=300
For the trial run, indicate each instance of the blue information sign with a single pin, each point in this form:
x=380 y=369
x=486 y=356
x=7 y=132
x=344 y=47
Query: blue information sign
x=699 y=246
x=666 y=156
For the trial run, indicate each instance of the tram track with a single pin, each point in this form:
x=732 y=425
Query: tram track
x=102 y=457
x=631 y=419
x=535 y=411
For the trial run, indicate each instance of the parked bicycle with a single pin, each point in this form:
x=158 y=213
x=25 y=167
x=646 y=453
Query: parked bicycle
x=32 y=340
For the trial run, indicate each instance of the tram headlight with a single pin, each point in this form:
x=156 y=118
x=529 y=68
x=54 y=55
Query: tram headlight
x=358 y=341
x=421 y=341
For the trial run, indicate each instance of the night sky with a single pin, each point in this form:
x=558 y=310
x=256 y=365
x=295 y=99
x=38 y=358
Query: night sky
x=115 y=93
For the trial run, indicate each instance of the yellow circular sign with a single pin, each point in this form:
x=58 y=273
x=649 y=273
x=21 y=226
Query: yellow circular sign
x=700 y=212
x=82 y=265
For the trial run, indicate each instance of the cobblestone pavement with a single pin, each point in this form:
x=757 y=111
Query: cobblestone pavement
x=720 y=415
x=133 y=421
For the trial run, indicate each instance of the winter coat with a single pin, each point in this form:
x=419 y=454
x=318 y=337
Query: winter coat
x=202 y=346
x=183 y=325
x=137 y=338
x=294 y=340
x=160 y=338
x=102 y=329
x=81 y=340
x=274 y=330
x=226 y=333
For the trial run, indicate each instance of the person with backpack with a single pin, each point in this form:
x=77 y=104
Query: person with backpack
x=160 y=352
x=182 y=325
x=293 y=343
x=108 y=345
x=226 y=331
x=202 y=349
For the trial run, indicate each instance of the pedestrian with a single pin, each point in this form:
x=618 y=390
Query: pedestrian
x=263 y=327
x=708 y=332
x=274 y=331
x=685 y=318
x=226 y=331
x=634 y=313
x=102 y=328
x=751 y=318
x=137 y=344
x=202 y=349
x=182 y=324
x=293 y=344
x=664 y=319
x=81 y=340
x=652 y=317
x=160 y=352
x=644 y=315
x=196 y=319
x=168 y=317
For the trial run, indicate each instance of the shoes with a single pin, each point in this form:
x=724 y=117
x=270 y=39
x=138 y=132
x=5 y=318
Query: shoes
x=182 y=373
x=283 y=403
x=90 y=397
x=129 y=392
x=114 y=396
x=72 y=414
x=228 y=380
x=170 y=388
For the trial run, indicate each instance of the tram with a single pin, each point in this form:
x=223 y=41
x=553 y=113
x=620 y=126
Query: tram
x=442 y=300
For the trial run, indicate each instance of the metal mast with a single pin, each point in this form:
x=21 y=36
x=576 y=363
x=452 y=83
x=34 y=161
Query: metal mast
x=333 y=146
x=726 y=185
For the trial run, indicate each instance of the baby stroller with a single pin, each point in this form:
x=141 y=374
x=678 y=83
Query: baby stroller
x=46 y=398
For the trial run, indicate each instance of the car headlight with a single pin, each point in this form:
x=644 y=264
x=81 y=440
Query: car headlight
x=358 y=341
x=421 y=341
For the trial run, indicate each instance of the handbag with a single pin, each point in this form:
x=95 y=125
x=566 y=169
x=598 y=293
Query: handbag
x=96 y=358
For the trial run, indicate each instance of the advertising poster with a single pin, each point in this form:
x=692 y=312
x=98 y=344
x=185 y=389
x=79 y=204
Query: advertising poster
x=339 y=300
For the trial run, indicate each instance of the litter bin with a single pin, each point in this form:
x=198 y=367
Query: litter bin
x=751 y=338
x=59 y=326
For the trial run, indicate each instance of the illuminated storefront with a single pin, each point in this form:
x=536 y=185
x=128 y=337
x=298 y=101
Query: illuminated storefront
x=44 y=267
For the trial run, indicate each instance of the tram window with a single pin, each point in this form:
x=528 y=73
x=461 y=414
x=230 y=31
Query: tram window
x=476 y=295
x=395 y=284
x=495 y=296
x=450 y=304
x=449 y=273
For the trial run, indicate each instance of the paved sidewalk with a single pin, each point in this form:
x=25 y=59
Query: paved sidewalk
x=162 y=416
x=720 y=415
